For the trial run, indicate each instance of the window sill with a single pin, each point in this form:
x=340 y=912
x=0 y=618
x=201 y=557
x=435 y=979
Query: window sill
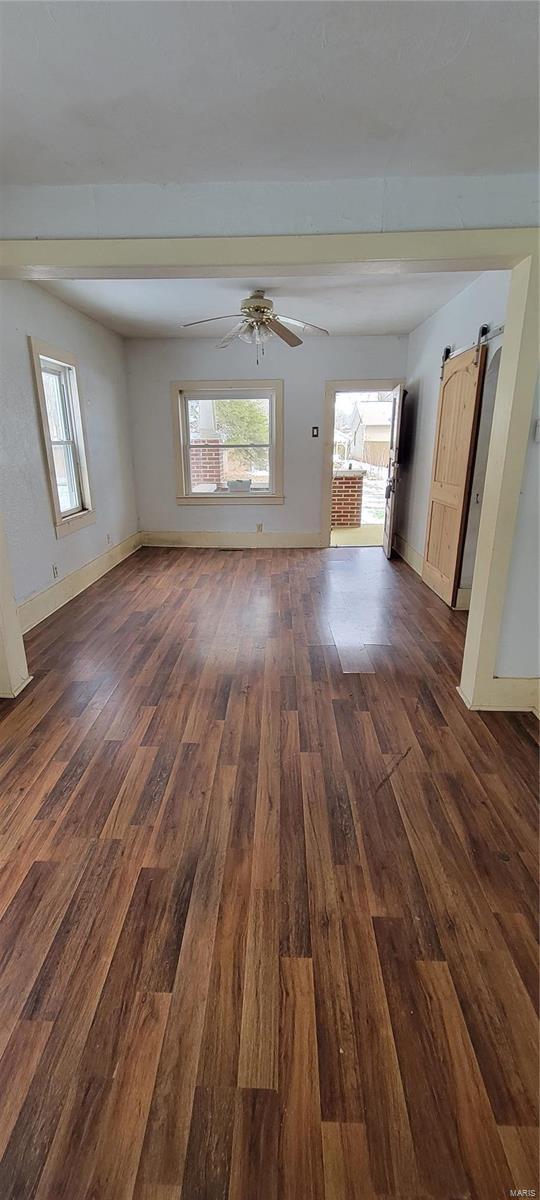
x=77 y=521
x=246 y=498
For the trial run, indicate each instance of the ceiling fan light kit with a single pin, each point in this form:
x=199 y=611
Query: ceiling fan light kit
x=259 y=323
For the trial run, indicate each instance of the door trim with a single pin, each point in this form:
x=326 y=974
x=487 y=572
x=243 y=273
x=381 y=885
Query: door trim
x=393 y=469
x=331 y=387
x=229 y=257
x=480 y=687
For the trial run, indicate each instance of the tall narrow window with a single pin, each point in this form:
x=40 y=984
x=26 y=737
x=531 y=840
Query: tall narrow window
x=58 y=388
x=230 y=442
x=63 y=435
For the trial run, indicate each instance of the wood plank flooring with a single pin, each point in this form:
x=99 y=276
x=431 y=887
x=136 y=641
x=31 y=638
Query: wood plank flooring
x=267 y=894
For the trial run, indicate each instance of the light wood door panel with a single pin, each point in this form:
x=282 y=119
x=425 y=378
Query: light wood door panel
x=453 y=460
x=441 y=538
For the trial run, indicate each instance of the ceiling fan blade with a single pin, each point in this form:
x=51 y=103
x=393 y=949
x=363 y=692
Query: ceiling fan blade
x=282 y=332
x=231 y=335
x=305 y=325
x=206 y=321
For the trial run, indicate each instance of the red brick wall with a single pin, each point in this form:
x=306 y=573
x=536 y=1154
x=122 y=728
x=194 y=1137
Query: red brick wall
x=347 y=501
x=206 y=462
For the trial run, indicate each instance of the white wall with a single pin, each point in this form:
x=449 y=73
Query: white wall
x=272 y=207
x=519 y=646
x=24 y=493
x=153 y=364
x=456 y=325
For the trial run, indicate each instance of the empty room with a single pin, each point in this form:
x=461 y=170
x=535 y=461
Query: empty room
x=269 y=600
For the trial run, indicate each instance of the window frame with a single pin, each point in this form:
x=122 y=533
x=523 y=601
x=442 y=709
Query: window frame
x=182 y=390
x=83 y=514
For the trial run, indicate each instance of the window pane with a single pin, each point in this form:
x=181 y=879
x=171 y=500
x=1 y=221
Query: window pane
x=215 y=468
x=243 y=420
x=55 y=409
x=194 y=417
x=229 y=420
x=66 y=478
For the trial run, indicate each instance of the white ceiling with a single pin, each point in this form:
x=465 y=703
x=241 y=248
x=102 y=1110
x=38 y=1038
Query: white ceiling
x=163 y=92
x=362 y=304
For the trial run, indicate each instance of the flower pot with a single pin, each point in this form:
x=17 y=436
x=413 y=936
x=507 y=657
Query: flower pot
x=239 y=485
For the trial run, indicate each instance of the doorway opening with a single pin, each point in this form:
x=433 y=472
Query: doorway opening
x=361 y=465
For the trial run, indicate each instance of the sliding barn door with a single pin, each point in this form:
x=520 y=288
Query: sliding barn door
x=455 y=445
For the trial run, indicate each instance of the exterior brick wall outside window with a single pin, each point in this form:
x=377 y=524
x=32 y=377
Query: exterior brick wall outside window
x=206 y=463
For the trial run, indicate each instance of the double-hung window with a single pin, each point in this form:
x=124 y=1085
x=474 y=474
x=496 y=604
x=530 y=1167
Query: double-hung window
x=63 y=437
x=229 y=442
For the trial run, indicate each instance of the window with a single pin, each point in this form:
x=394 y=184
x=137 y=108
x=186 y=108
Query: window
x=229 y=442
x=63 y=436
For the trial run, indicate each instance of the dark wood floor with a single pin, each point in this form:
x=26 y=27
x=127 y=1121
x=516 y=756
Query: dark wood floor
x=267 y=894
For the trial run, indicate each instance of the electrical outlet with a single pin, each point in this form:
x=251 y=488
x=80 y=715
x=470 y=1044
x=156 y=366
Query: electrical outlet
x=108 y=539
x=259 y=527
x=54 y=571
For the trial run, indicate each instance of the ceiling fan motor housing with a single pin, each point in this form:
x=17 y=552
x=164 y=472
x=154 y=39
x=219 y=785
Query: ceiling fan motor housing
x=257 y=306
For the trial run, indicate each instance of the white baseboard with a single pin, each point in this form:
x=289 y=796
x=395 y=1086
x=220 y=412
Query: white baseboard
x=408 y=553
x=34 y=610
x=463 y=599
x=13 y=665
x=505 y=695
x=416 y=561
x=500 y=695
x=12 y=695
x=38 y=607
x=210 y=539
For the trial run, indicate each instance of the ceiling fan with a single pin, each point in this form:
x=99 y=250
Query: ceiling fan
x=259 y=322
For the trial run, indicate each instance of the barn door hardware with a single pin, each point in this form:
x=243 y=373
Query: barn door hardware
x=485 y=334
x=482 y=335
x=445 y=356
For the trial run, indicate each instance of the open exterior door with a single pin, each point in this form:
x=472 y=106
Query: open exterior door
x=393 y=469
x=453 y=461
